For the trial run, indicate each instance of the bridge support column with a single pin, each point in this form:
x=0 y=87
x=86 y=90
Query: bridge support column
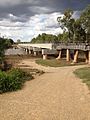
x=59 y=56
x=26 y=51
x=89 y=57
x=30 y=51
x=44 y=56
x=35 y=53
x=68 y=55
x=86 y=56
x=75 y=57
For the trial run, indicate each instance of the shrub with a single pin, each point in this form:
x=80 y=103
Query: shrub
x=13 y=80
x=3 y=81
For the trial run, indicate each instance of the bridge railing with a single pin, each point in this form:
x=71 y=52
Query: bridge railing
x=80 y=46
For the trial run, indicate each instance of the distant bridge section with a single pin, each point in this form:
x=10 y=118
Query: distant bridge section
x=56 y=48
x=43 y=46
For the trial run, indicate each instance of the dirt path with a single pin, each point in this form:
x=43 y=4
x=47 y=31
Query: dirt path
x=55 y=95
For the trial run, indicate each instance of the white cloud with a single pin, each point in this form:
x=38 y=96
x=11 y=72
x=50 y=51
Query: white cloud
x=12 y=17
x=45 y=23
x=38 y=24
x=9 y=23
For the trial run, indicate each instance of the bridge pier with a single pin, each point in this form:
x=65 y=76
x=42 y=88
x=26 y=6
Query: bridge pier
x=76 y=56
x=44 y=56
x=67 y=55
x=59 y=56
x=86 y=56
x=89 y=57
x=44 y=53
x=26 y=51
x=30 y=52
x=35 y=53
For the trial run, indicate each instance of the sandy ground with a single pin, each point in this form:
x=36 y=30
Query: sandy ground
x=55 y=95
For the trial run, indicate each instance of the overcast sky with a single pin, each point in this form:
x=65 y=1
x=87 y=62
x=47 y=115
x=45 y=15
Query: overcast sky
x=25 y=19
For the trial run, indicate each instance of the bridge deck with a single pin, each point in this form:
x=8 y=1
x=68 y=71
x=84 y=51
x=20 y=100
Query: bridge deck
x=58 y=46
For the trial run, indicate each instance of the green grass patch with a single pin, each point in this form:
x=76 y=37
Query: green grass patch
x=55 y=63
x=84 y=74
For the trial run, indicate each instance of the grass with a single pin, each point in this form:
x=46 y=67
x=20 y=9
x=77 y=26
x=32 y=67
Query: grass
x=84 y=74
x=56 y=63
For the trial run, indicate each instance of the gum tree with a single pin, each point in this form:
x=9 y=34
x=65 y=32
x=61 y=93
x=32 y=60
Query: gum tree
x=85 y=21
x=67 y=23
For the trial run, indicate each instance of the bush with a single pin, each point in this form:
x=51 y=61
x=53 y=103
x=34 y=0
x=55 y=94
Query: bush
x=13 y=80
x=4 y=65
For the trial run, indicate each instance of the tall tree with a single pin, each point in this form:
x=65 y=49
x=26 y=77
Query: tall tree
x=67 y=23
x=79 y=32
x=85 y=21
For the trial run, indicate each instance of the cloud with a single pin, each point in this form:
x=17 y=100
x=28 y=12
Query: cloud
x=39 y=9
x=44 y=23
x=7 y=3
x=25 y=19
x=37 y=24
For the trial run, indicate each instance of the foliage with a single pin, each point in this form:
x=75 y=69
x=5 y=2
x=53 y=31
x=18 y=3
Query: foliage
x=78 y=29
x=13 y=80
x=73 y=29
x=79 y=32
x=84 y=74
x=45 y=38
x=4 y=44
x=67 y=23
x=85 y=21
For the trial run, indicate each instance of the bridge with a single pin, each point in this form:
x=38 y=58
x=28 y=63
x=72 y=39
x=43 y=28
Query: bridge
x=56 y=48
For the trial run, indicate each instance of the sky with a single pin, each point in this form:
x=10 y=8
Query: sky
x=25 y=19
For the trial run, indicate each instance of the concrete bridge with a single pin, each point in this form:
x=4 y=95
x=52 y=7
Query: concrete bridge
x=56 y=48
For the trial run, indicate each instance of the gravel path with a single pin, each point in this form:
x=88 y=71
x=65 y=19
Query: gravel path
x=55 y=95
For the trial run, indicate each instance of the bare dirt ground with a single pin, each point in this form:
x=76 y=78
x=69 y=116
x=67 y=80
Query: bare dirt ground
x=56 y=95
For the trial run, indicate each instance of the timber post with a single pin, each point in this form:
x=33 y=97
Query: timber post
x=89 y=57
x=86 y=56
x=59 y=56
x=76 y=56
x=44 y=56
x=67 y=55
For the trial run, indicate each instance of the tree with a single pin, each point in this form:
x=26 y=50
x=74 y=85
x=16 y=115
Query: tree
x=18 y=41
x=4 y=44
x=76 y=28
x=67 y=23
x=45 y=38
x=79 y=32
x=2 y=48
x=85 y=21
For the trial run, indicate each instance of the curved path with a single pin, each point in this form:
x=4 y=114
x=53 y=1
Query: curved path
x=55 y=95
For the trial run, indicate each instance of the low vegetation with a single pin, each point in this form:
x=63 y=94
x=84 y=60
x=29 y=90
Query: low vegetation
x=13 y=79
x=84 y=74
x=55 y=63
